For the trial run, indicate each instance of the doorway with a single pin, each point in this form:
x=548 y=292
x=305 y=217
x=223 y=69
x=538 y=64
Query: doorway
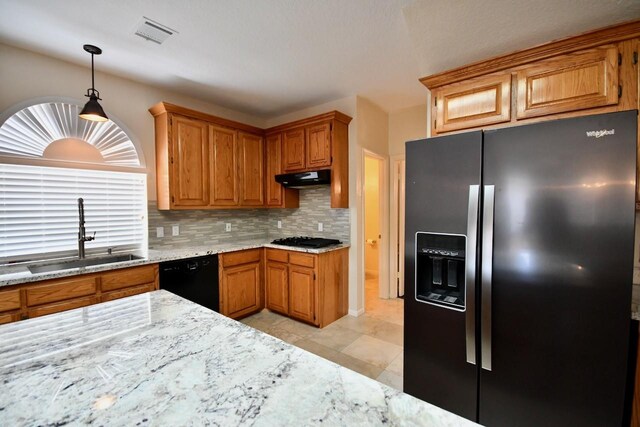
x=373 y=169
x=396 y=277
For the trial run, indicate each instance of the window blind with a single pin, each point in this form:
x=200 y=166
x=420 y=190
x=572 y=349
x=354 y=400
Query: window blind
x=39 y=211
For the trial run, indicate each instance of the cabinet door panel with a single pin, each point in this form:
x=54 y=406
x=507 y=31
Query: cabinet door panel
x=251 y=170
x=302 y=293
x=293 y=147
x=61 y=306
x=277 y=289
x=478 y=102
x=571 y=82
x=318 y=146
x=241 y=290
x=127 y=277
x=224 y=167
x=10 y=300
x=190 y=163
x=127 y=292
x=274 y=167
x=60 y=290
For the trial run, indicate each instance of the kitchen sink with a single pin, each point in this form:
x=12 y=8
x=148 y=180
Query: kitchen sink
x=76 y=263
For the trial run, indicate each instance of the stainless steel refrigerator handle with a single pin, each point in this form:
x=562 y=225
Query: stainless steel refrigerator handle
x=470 y=273
x=487 y=272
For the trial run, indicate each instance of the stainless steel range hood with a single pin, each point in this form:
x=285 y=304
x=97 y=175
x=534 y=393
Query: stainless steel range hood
x=305 y=179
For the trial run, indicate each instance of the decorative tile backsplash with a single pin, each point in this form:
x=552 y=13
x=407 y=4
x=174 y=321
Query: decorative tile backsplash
x=315 y=207
x=201 y=227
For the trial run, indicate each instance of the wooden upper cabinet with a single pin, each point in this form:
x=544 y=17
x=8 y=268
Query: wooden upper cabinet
x=274 y=167
x=571 y=82
x=190 y=158
x=318 y=146
x=478 y=102
x=293 y=150
x=225 y=190
x=251 y=169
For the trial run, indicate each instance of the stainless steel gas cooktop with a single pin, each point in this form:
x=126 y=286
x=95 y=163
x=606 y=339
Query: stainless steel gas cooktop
x=306 y=242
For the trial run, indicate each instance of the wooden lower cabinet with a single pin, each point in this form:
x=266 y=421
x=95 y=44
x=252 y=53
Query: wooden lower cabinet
x=277 y=287
x=127 y=292
x=241 y=283
x=312 y=288
x=56 y=295
x=45 y=309
x=302 y=293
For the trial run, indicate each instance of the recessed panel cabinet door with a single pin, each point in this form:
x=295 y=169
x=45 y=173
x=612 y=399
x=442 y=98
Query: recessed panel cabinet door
x=293 y=150
x=274 y=167
x=277 y=289
x=241 y=287
x=318 y=146
x=190 y=158
x=477 y=102
x=302 y=293
x=225 y=190
x=568 y=83
x=251 y=170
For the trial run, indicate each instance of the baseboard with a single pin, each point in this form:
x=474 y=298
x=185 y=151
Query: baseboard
x=356 y=313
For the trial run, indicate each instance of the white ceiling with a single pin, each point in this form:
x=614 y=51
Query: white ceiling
x=271 y=57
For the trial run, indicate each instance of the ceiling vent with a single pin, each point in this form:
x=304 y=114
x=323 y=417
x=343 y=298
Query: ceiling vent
x=153 y=31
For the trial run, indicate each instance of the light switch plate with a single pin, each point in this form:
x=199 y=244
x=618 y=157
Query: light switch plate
x=320 y=226
x=159 y=232
x=175 y=230
x=279 y=224
x=227 y=226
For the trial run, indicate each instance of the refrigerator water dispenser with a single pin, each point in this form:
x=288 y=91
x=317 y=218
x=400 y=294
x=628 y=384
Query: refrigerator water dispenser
x=440 y=267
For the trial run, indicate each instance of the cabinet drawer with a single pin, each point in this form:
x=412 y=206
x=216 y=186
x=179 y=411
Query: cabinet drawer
x=303 y=260
x=478 y=102
x=135 y=290
x=240 y=257
x=568 y=83
x=61 y=290
x=61 y=306
x=128 y=277
x=277 y=255
x=10 y=300
x=9 y=317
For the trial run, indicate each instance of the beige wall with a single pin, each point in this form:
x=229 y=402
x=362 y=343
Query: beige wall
x=26 y=75
x=405 y=125
x=372 y=215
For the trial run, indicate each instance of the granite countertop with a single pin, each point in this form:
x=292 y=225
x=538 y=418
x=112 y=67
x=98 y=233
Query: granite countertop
x=15 y=275
x=157 y=359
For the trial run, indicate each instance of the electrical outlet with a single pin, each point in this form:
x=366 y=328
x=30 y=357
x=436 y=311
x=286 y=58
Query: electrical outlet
x=227 y=226
x=175 y=230
x=320 y=226
x=159 y=232
x=279 y=224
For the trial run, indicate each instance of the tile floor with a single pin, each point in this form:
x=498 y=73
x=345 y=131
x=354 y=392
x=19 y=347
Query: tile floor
x=370 y=344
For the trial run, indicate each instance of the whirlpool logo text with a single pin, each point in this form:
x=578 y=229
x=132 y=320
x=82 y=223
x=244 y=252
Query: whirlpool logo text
x=600 y=133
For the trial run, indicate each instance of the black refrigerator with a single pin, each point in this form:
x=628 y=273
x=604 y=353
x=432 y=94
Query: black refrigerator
x=518 y=271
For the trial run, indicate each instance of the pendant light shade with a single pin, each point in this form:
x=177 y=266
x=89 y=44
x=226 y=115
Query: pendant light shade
x=92 y=109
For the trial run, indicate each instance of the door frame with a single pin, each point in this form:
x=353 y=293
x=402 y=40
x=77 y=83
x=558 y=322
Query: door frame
x=383 y=242
x=396 y=225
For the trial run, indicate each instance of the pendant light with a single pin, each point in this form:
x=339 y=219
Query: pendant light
x=92 y=109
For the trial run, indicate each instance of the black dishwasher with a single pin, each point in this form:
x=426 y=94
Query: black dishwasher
x=195 y=279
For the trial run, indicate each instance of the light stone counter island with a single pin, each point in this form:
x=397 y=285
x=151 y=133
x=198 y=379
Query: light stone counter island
x=157 y=359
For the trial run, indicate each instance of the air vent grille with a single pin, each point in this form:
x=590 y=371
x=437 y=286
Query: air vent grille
x=153 y=31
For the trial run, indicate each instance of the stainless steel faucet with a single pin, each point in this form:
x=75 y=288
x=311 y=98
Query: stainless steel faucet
x=82 y=237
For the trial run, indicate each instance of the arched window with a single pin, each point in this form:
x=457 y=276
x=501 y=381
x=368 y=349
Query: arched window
x=49 y=157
